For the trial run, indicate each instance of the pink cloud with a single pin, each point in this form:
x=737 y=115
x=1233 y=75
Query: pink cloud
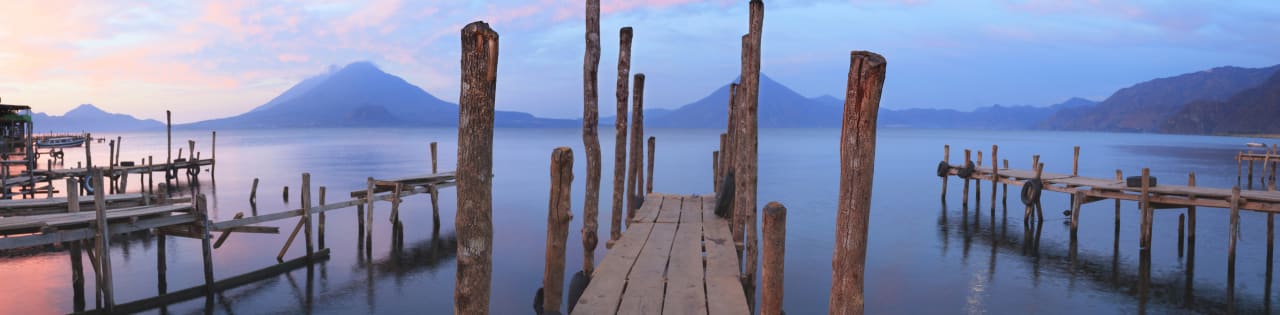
x=287 y=57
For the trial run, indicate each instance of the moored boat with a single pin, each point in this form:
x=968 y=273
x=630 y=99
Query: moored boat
x=60 y=142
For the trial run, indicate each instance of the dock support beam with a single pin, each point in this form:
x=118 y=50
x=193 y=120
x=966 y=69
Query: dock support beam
x=648 y=184
x=202 y=212
x=103 y=244
x=748 y=144
x=590 y=135
x=559 y=213
x=474 y=221
x=633 y=164
x=857 y=163
x=1145 y=206
x=964 y=200
x=1191 y=212
x=1231 y=248
x=946 y=157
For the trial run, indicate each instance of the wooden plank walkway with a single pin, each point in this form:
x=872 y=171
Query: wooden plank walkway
x=1162 y=196
x=24 y=207
x=676 y=258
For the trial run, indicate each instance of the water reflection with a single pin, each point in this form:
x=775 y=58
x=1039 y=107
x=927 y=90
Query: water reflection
x=1149 y=289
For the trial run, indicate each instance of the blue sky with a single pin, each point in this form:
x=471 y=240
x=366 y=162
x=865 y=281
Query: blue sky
x=214 y=59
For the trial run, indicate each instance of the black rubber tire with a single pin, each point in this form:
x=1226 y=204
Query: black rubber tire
x=127 y=163
x=1136 y=181
x=943 y=169
x=171 y=173
x=1031 y=191
x=965 y=171
x=87 y=183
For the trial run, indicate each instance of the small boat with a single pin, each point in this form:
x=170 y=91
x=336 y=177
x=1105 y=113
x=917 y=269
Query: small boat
x=1254 y=145
x=60 y=142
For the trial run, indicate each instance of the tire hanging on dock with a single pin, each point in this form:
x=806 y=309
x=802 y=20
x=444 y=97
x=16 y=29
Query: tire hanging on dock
x=966 y=171
x=1031 y=191
x=943 y=169
x=87 y=184
x=171 y=173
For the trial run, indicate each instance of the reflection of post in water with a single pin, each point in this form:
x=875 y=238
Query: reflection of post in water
x=1144 y=280
x=1231 y=249
x=1271 y=229
x=1115 y=251
x=943 y=228
x=1188 y=289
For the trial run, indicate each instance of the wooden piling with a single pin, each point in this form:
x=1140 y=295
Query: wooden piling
x=1182 y=223
x=77 y=267
x=202 y=212
x=1076 y=202
x=433 y=159
x=857 y=159
x=1250 y=181
x=1119 y=180
x=1075 y=162
x=306 y=212
x=253 y=192
x=88 y=151
x=103 y=244
x=474 y=220
x=213 y=155
x=1239 y=166
x=964 y=201
x=633 y=166
x=977 y=183
x=648 y=184
x=620 y=134
x=168 y=133
x=774 y=250
x=590 y=136
x=995 y=177
x=321 y=231
x=1231 y=245
x=728 y=158
x=559 y=214
x=637 y=129
x=284 y=194
x=368 y=219
x=1145 y=241
x=1191 y=212
x=946 y=157
x=1039 y=208
x=435 y=206
x=715 y=171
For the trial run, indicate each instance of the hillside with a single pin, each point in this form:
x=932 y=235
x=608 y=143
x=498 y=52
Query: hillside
x=1252 y=111
x=1146 y=106
x=89 y=118
x=995 y=117
x=361 y=95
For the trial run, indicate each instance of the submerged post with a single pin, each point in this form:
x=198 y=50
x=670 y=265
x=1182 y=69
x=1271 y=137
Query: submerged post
x=558 y=216
x=474 y=221
x=774 y=248
x=620 y=134
x=202 y=212
x=857 y=164
x=590 y=136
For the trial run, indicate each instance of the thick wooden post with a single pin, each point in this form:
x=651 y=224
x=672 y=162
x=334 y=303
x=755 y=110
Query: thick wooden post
x=1145 y=241
x=637 y=129
x=284 y=194
x=775 y=249
x=1250 y=181
x=747 y=139
x=1077 y=200
x=977 y=184
x=202 y=211
x=1231 y=246
x=77 y=267
x=1075 y=162
x=995 y=177
x=715 y=171
x=857 y=163
x=727 y=156
x=648 y=184
x=435 y=206
x=103 y=244
x=321 y=231
x=633 y=166
x=590 y=136
x=964 y=201
x=253 y=192
x=1239 y=166
x=168 y=152
x=1182 y=223
x=1119 y=180
x=474 y=220
x=559 y=214
x=370 y=188
x=1004 y=194
x=1191 y=212
x=946 y=157
x=306 y=212
x=434 y=164
x=620 y=135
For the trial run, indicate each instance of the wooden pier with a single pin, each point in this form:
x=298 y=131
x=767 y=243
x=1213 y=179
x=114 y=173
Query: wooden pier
x=677 y=257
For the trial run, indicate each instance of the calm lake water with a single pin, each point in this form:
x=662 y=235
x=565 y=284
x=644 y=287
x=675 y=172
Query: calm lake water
x=925 y=257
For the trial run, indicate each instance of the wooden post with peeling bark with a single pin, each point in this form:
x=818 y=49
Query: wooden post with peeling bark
x=857 y=158
x=774 y=248
x=559 y=214
x=745 y=153
x=648 y=184
x=591 y=137
x=633 y=166
x=620 y=134
x=474 y=220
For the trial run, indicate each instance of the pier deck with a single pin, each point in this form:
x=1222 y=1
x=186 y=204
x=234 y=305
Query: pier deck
x=675 y=258
x=1161 y=196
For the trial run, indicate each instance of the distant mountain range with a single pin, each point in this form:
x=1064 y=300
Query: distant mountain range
x=1216 y=101
x=87 y=117
x=361 y=95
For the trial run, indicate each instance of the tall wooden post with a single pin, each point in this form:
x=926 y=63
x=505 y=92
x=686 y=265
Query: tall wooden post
x=620 y=134
x=729 y=156
x=88 y=151
x=1146 y=210
x=321 y=231
x=1119 y=180
x=590 y=137
x=558 y=216
x=995 y=177
x=168 y=133
x=715 y=171
x=648 y=184
x=977 y=184
x=474 y=220
x=747 y=139
x=946 y=158
x=253 y=192
x=213 y=155
x=857 y=163
x=774 y=248
x=1191 y=212
x=964 y=200
x=1004 y=194
x=1075 y=162
x=1231 y=246
x=434 y=164
x=77 y=266
x=103 y=252
x=633 y=166
x=1077 y=200
x=306 y=212
x=202 y=211
x=435 y=207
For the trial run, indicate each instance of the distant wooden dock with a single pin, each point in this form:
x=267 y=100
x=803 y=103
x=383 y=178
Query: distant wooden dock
x=677 y=257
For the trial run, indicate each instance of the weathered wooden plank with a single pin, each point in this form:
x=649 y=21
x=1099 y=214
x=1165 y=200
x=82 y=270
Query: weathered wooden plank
x=647 y=280
x=87 y=233
x=604 y=293
x=669 y=212
x=724 y=288
x=686 y=289
x=649 y=211
x=298 y=212
x=80 y=218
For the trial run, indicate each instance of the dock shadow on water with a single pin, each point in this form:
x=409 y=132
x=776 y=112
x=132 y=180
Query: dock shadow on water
x=1147 y=290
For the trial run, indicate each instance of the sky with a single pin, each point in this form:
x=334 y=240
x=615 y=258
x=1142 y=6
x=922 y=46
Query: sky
x=215 y=59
